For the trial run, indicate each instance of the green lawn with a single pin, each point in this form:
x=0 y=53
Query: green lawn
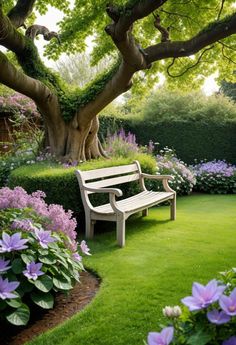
x=156 y=268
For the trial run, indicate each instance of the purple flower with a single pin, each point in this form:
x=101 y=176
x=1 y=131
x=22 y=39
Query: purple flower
x=44 y=237
x=24 y=224
x=230 y=341
x=228 y=303
x=3 y=265
x=7 y=287
x=77 y=257
x=203 y=296
x=10 y=243
x=33 y=270
x=218 y=317
x=163 y=338
x=85 y=249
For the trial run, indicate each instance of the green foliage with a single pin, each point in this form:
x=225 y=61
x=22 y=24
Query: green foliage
x=156 y=268
x=44 y=263
x=60 y=183
x=195 y=126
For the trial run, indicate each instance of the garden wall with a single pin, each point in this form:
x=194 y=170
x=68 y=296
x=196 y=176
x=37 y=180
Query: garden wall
x=191 y=140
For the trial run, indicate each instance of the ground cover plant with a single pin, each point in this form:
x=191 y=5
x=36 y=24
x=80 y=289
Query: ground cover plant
x=38 y=253
x=157 y=267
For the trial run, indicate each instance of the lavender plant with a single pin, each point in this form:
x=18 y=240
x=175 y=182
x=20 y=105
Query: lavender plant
x=208 y=317
x=121 y=145
x=38 y=253
x=169 y=164
x=215 y=177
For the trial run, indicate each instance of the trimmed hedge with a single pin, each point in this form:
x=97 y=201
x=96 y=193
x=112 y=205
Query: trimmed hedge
x=61 y=186
x=190 y=140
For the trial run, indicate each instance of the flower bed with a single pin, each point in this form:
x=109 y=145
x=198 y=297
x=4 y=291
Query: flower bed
x=215 y=177
x=38 y=253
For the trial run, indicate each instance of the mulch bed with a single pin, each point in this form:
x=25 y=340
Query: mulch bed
x=64 y=308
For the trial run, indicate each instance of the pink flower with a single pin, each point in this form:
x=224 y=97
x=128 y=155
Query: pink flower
x=85 y=249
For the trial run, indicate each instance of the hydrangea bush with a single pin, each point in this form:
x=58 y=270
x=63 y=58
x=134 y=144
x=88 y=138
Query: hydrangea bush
x=169 y=164
x=38 y=253
x=208 y=317
x=215 y=177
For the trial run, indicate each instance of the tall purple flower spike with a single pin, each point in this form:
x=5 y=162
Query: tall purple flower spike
x=203 y=296
x=165 y=337
x=228 y=303
x=10 y=243
x=7 y=287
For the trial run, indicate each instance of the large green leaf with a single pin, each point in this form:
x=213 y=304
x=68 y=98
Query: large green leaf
x=20 y=316
x=48 y=259
x=27 y=258
x=44 y=300
x=14 y=303
x=17 y=266
x=200 y=338
x=44 y=283
x=61 y=283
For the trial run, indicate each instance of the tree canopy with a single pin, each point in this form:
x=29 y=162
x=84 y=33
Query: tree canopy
x=184 y=39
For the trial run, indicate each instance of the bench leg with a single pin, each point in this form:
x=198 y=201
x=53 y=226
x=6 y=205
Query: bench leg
x=120 y=230
x=145 y=212
x=89 y=227
x=173 y=208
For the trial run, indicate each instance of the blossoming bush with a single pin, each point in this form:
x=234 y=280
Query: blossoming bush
x=38 y=253
x=215 y=177
x=169 y=164
x=209 y=315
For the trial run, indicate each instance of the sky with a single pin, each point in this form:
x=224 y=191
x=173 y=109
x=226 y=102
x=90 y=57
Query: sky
x=52 y=17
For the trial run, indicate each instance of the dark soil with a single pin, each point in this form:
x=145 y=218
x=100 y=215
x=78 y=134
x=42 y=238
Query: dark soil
x=64 y=308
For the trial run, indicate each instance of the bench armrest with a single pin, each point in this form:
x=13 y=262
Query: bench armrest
x=158 y=177
x=163 y=178
x=115 y=191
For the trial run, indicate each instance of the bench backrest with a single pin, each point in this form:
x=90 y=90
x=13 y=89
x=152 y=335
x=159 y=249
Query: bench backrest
x=107 y=177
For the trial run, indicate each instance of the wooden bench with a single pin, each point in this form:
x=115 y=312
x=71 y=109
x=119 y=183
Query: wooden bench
x=119 y=211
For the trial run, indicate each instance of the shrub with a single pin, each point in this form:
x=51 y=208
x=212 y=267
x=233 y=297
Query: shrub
x=38 y=253
x=210 y=316
x=169 y=164
x=60 y=183
x=215 y=177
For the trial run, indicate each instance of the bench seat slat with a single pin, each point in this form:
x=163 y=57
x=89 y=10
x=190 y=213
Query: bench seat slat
x=112 y=181
x=99 y=173
x=141 y=200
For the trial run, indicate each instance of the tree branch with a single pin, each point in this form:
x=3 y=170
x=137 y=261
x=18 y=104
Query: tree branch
x=223 y=52
x=36 y=30
x=188 y=68
x=20 y=12
x=221 y=9
x=210 y=35
x=18 y=81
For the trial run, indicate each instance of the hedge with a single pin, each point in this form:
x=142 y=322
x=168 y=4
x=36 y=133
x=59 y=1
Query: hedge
x=61 y=186
x=191 y=140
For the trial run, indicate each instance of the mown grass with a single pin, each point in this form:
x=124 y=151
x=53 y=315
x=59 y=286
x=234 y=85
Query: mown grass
x=156 y=268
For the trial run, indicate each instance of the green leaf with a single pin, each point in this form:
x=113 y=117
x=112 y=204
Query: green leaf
x=27 y=258
x=48 y=259
x=61 y=283
x=17 y=266
x=44 y=300
x=200 y=338
x=20 y=316
x=14 y=303
x=44 y=283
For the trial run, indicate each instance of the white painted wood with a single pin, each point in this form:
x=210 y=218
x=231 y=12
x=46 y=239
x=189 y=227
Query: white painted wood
x=120 y=210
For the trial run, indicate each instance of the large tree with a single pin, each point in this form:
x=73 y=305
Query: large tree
x=170 y=36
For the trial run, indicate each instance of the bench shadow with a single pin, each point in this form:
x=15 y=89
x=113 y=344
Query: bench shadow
x=134 y=225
